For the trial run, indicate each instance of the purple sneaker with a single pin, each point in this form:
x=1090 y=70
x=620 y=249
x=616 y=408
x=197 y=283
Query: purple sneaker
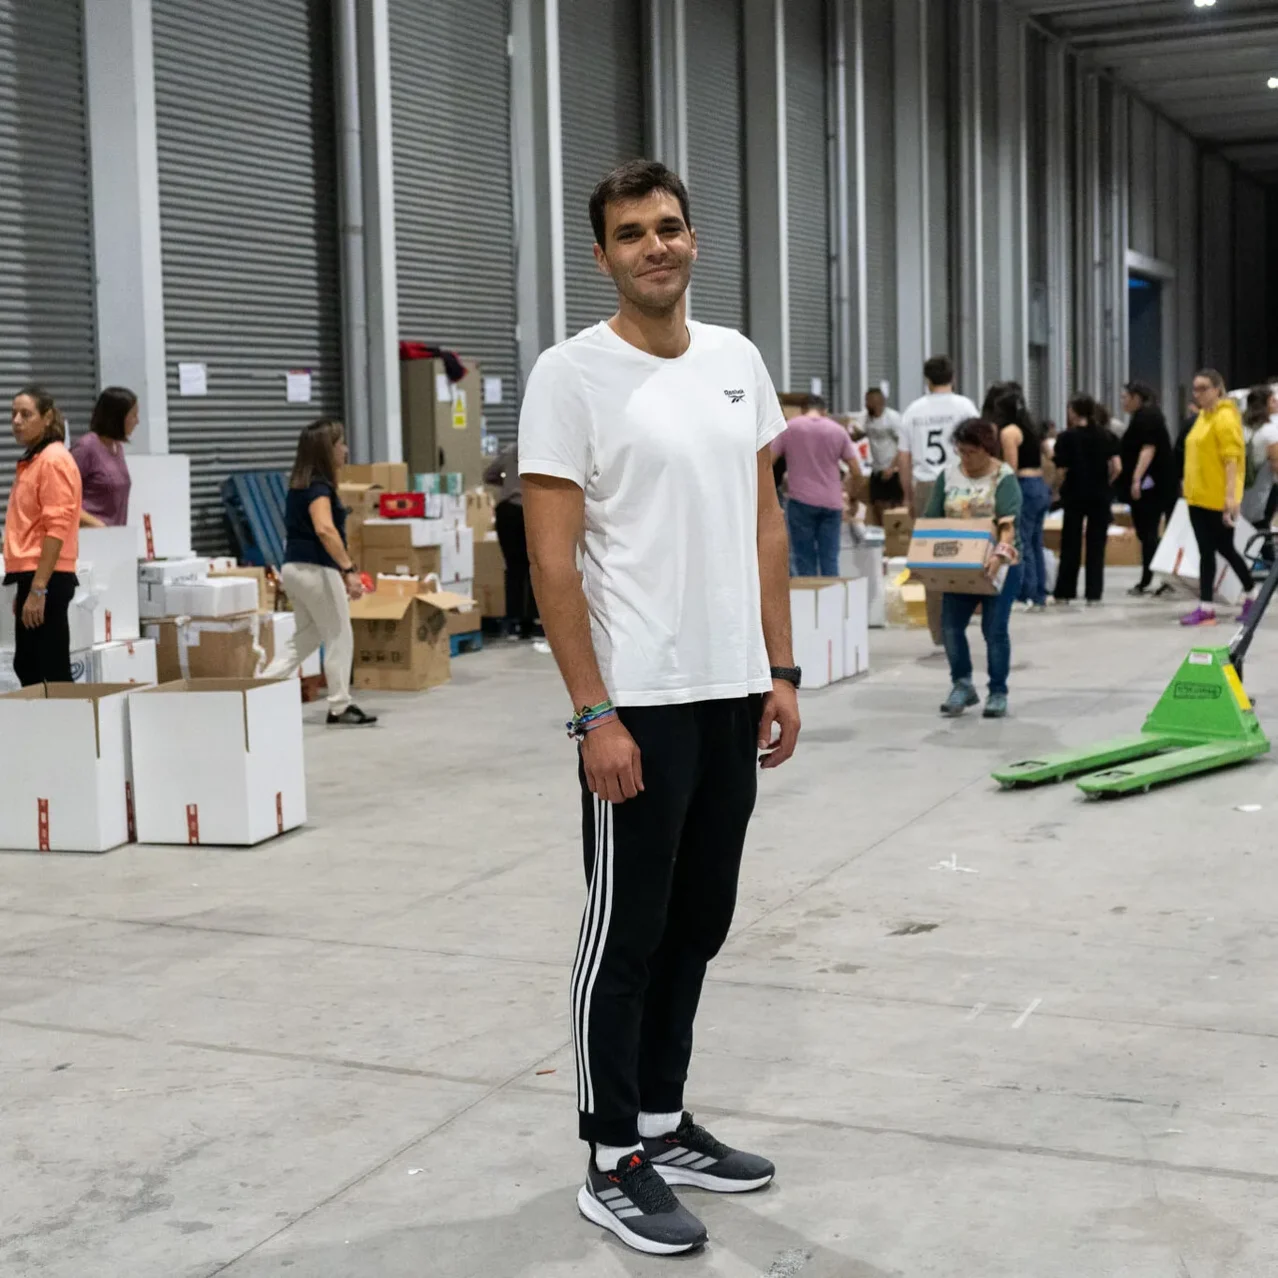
x=1249 y=606
x=1199 y=617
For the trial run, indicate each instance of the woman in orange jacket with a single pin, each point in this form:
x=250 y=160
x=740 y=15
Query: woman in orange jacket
x=41 y=540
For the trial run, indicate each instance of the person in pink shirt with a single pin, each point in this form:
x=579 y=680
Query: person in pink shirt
x=813 y=446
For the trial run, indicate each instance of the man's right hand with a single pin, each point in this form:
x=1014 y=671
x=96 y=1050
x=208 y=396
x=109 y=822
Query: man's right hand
x=614 y=770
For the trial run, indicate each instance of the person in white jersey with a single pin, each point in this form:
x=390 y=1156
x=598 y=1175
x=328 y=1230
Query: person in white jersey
x=927 y=433
x=646 y=440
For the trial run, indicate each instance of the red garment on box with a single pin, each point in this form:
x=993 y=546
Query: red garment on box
x=402 y=505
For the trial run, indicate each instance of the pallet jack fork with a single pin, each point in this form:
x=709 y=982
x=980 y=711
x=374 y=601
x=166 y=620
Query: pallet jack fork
x=1203 y=721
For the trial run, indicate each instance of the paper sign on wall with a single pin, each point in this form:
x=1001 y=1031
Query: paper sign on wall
x=459 y=410
x=815 y=387
x=492 y=390
x=193 y=379
x=443 y=388
x=298 y=385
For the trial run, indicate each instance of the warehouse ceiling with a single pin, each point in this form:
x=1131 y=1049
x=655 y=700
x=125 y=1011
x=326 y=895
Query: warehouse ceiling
x=1206 y=68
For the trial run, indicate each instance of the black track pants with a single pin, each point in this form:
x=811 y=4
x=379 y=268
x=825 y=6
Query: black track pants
x=662 y=870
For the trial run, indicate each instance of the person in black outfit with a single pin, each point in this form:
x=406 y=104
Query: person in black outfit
x=1087 y=453
x=521 y=605
x=1147 y=476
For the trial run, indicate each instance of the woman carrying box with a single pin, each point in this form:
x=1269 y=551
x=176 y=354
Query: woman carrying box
x=42 y=540
x=104 y=474
x=980 y=485
x=318 y=575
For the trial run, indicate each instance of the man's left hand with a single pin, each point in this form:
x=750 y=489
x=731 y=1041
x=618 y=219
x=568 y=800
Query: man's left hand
x=780 y=712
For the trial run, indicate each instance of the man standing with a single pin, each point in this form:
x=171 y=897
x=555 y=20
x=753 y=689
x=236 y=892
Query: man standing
x=882 y=428
x=646 y=440
x=813 y=446
x=927 y=429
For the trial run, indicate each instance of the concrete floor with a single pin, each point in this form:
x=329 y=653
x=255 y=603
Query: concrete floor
x=345 y=1054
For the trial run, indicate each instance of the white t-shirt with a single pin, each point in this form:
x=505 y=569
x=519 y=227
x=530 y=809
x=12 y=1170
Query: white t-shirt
x=927 y=430
x=1256 y=498
x=666 y=451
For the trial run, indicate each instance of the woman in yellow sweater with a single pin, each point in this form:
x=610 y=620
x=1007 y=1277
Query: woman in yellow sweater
x=1215 y=459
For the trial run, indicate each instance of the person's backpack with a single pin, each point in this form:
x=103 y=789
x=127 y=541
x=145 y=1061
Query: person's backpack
x=1251 y=471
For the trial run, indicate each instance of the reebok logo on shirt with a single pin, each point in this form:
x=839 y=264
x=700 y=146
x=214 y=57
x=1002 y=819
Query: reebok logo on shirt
x=736 y=396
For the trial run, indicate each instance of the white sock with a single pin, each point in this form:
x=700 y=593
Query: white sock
x=654 y=1125
x=608 y=1156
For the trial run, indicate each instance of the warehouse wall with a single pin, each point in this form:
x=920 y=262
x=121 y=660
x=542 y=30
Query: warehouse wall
x=874 y=181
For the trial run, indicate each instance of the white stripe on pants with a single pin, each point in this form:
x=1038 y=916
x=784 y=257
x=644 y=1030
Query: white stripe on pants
x=323 y=614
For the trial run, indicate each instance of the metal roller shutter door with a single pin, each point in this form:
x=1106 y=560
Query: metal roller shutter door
x=601 y=114
x=809 y=207
x=880 y=192
x=716 y=159
x=454 y=212
x=245 y=120
x=47 y=332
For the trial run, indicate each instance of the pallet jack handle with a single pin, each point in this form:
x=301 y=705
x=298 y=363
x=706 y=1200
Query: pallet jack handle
x=1242 y=640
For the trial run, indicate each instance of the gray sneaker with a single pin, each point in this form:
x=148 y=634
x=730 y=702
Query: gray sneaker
x=689 y=1155
x=640 y=1208
x=995 y=706
x=962 y=695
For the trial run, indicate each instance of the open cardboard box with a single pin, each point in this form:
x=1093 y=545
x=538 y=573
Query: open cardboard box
x=64 y=767
x=218 y=761
x=402 y=635
x=950 y=555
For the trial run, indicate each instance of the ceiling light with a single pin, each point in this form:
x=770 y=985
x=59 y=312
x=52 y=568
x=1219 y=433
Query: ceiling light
x=1204 y=4
x=1273 y=81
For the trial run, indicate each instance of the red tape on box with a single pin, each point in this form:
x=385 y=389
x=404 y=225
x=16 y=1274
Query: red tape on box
x=192 y=822
x=279 y=812
x=42 y=823
x=108 y=625
x=150 y=539
x=128 y=811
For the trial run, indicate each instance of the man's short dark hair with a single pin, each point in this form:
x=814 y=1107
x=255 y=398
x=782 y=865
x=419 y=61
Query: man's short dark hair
x=939 y=370
x=633 y=181
x=815 y=404
x=876 y=390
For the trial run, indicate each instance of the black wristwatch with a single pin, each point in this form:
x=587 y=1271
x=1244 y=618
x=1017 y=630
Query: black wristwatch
x=791 y=674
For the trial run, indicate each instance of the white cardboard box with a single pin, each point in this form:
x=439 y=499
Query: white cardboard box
x=313 y=665
x=218 y=761
x=132 y=662
x=856 y=626
x=160 y=504
x=169 y=571
x=64 y=768
x=215 y=597
x=84 y=603
x=8 y=596
x=817 y=610
x=1177 y=556
x=275 y=629
x=113 y=554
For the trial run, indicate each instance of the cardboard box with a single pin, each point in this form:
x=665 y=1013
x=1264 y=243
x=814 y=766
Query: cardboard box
x=160 y=504
x=81 y=621
x=490 y=576
x=467 y=620
x=481 y=512
x=223 y=563
x=442 y=433
x=264 y=581
x=856 y=627
x=226 y=648
x=950 y=555
x=402 y=637
x=218 y=761
x=898 y=525
x=360 y=499
x=452 y=510
x=390 y=543
x=131 y=662
x=274 y=630
x=444 y=483
x=64 y=768
x=388 y=476
x=214 y=597
x=113 y=554
x=168 y=571
x=818 y=607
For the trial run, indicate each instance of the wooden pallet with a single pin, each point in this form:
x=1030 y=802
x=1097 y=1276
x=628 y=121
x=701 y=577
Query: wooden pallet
x=473 y=641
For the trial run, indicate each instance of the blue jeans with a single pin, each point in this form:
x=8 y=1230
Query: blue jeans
x=814 y=539
x=1036 y=501
x=957 y=611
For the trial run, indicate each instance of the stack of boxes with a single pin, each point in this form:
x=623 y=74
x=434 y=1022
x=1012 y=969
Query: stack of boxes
x=830 y=626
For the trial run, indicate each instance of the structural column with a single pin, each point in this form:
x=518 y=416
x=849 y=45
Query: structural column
x=767 y=241
x=120 y=74
x=913 y=179
x=1013 y=238
x=971 y=202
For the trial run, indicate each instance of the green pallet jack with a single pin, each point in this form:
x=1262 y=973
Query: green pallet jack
x=1203 y=721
